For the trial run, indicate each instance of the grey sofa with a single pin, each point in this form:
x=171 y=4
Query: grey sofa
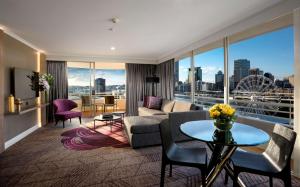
x=144 y=130
x=167 y=107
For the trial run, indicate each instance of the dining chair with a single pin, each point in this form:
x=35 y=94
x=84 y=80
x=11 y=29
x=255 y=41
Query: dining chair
x=273 y=162
x=109 y=101
x=86 y=101
x=173 y=154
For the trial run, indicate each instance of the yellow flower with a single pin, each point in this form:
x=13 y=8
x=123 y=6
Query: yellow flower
x=216 y=114
x=221 y=109
x=231 y=112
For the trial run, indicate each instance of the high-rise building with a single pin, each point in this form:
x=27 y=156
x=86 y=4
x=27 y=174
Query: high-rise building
x=176 y=74
x=241 y=70
x=256 y=71
x=219 y=80
x=231 y=83
x=100 y=85
x=198 y=74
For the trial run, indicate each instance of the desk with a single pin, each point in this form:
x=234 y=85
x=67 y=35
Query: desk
x=223 y=143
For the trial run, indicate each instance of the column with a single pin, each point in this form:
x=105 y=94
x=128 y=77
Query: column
x=226 y=73
x=296 y=155
x=1 y=93
x=193 y=78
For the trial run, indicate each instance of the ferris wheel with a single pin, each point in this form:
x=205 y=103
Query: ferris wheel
x=256 y=94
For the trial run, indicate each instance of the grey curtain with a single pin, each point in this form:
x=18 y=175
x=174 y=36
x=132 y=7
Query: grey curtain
x=165 y=72
x=59 y=89
x=136 y=86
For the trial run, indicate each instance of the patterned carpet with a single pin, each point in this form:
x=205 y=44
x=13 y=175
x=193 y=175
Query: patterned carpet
x=41 y=160
x=87 y=138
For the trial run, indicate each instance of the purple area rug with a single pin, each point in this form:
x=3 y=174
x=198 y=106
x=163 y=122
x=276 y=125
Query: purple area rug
x=87 y=139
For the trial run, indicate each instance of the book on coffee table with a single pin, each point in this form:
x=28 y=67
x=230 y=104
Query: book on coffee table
x=108 y=115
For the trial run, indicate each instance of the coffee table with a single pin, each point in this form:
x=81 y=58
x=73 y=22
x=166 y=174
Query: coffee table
x=120 y=113
x=109 y=120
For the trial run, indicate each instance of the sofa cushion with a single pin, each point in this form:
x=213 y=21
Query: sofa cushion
x=143 y=111
x=143 y=124
x=181 y=106
x=167 y=105
x=146 y=101
x=154 y=102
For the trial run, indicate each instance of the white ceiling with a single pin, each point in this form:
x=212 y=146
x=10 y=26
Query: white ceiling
x=148 y=29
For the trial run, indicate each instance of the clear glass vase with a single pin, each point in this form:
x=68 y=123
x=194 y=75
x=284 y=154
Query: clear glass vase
x=223 y=125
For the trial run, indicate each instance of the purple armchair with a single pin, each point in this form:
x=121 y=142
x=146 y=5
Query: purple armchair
x=62 y=110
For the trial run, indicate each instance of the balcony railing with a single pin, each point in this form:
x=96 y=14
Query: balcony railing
x=118 y=95
x=278 y=108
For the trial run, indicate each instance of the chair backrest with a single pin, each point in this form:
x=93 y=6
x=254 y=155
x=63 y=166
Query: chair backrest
x=178 y=118
x=86 y=100
x=167 y=140
x=109 y=99
x=62 y=105
x=281 y=145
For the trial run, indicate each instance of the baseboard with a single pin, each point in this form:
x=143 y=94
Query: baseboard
x=20 y=136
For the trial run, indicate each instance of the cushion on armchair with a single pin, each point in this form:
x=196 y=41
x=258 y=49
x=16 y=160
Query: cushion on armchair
x=67 y=115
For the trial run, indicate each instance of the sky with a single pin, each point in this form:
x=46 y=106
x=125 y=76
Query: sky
x=271 y=52
x=81 y=76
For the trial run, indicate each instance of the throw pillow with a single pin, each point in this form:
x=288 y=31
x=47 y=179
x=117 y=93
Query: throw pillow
x=181 y=106
x=154 y=103
x=146 y=101
x=167 y=105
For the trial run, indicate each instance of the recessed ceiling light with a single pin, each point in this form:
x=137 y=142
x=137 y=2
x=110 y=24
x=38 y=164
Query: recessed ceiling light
x=112 y=48
x=115 y=20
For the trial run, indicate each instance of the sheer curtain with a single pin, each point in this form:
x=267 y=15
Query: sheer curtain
x=59 y=89
x=136 y=86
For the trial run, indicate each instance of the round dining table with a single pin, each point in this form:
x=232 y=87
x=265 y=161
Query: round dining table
x=223 y=143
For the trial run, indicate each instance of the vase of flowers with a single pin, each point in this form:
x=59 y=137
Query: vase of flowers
x=41 y=83
x=223 y=116
x=223 y=136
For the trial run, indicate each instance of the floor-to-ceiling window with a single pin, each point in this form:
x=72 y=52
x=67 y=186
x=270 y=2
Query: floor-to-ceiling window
x=261 y=75
x=79 y=79
x=97 y=79
x=183 y=79
x=209 y=76
x=110 y=79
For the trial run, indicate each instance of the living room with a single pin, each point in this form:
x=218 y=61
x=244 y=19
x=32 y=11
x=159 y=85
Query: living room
x=149 y=93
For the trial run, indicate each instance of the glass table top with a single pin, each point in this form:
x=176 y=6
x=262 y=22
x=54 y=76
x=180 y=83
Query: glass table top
x=239 y=135
x=101 y=118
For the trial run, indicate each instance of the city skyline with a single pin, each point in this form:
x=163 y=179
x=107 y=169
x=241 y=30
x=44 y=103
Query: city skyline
x=271 y=52
x=80 y=76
